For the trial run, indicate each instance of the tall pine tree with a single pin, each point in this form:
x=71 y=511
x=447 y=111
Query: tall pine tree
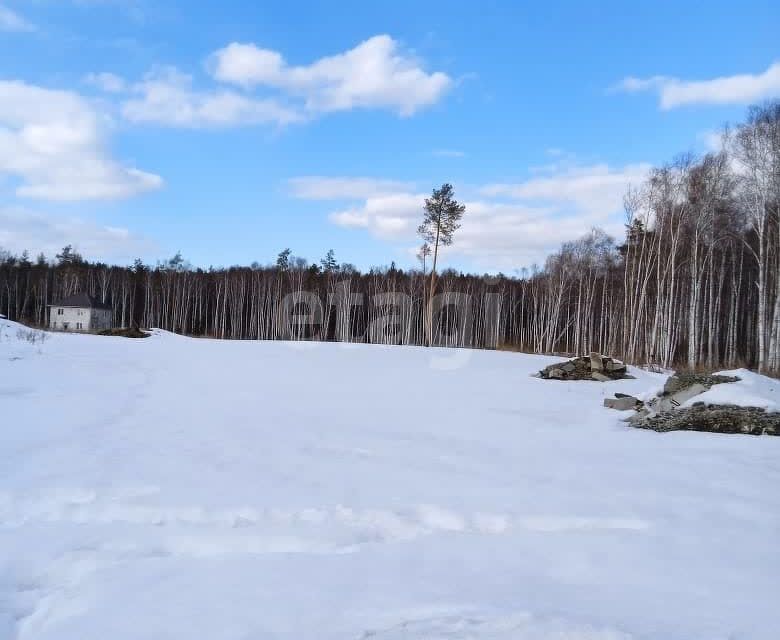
x=442 y=214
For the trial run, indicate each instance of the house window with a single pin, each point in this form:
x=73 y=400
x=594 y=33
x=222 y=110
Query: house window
x=59 y=312
x=78 y=325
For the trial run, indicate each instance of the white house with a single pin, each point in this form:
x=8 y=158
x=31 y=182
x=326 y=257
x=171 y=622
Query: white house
x=79 y=312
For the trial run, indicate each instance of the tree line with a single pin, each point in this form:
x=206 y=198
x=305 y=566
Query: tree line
x=695 y=280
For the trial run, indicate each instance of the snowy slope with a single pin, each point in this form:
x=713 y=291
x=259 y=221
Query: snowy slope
x=175 y=488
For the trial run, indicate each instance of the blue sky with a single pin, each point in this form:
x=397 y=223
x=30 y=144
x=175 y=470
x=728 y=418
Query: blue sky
x=231 y=130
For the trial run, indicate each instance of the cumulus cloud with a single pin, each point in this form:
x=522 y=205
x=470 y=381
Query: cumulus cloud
x=507 y=225
x=493 y=234
x=374 y=74
x=392 y=215
x=54 y=144
x=166 y=96
x=268 y=91
x=737 y=89
x=35 y=231
x=585 y=189
x=12 y=21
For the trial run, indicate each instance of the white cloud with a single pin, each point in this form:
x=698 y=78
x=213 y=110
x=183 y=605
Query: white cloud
x=631 y=84
x=374 y=74
x=390 y=216
x=514 y=235
x=586 y=189
x=166 y=96
x=108 y=82
x=340 y=188
x=736 y=89
x=54 y=143
x=12 y=21
x=247 y=65
x=34 y=231
x=448 y=153
x=493 y=234
x=507 y=225
x=711 y=140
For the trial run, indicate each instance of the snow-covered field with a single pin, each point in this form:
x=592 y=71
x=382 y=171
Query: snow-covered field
x=175 y=488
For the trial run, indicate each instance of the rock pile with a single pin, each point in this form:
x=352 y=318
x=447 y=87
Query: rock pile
x=125 y=332
x=678 y=389
x=715 y=418
x=593 y=367
x=665 y=413
x=680 y=381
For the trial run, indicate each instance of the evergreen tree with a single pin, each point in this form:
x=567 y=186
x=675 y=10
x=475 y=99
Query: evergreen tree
x=441 y=220
x=329 y=264
x=176 y=263
x=283 y=260
x=423 y=253
x=69 y=256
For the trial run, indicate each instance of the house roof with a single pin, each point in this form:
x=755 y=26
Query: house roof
x=83 y=300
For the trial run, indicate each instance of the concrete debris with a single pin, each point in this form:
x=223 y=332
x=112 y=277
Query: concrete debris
x=621 y=402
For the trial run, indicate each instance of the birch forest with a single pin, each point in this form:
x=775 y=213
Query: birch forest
x=694 y=281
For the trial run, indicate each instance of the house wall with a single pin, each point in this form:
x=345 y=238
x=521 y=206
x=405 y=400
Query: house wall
x=100 y=319
x=79 y=319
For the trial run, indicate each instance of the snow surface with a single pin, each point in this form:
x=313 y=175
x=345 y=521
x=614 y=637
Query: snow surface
x=178 y=488
x=751 y=390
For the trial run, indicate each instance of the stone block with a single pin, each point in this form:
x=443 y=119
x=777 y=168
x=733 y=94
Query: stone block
x=621 y=404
